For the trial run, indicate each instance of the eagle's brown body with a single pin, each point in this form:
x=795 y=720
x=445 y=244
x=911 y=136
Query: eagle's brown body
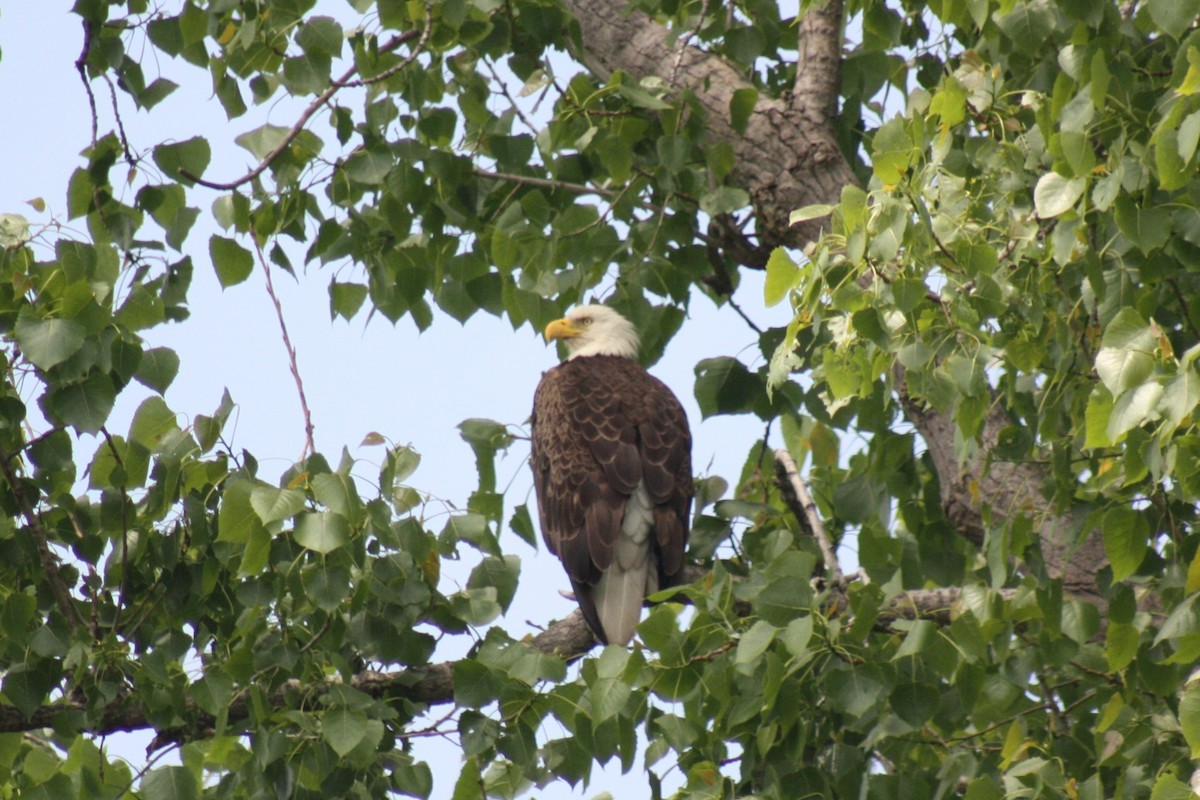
x=612 y=471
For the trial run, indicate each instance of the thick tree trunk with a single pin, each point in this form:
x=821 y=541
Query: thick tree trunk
x=787 y=158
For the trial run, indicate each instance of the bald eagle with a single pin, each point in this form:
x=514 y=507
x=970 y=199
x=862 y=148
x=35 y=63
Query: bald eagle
x=612 y=470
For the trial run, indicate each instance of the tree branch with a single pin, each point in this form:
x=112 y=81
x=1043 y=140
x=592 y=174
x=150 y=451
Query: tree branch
x=1004 y=491
x=800 y=501
x=309 y=447
x=786 y=157
x=819 y=64
x=345 y=82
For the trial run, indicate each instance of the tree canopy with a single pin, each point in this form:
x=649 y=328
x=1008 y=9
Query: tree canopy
x=984 y=216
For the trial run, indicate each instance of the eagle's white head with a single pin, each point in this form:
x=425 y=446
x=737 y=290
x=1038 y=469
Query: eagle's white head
x=594 y=331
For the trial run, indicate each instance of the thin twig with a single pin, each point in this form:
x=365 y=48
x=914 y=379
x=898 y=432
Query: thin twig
x=805 y=509
x=546 y=183
x=344 y=82
x=81 y=68
x=742 y=314
x=291 y=351
x=41 y=540
x=112 y=93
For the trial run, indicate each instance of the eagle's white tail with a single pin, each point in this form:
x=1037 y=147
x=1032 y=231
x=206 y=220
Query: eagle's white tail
x=632 y=575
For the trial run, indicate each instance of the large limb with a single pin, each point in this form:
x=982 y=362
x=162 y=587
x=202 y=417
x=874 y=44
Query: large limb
x=787 y=157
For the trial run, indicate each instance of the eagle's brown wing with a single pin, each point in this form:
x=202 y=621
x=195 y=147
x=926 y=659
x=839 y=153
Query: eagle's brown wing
x=601 y=426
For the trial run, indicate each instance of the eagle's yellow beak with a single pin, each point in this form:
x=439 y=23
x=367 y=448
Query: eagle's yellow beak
x=561 y=329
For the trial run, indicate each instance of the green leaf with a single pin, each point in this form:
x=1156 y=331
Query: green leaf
x=1168 y=787
x=48 y=342
x=237 y=520
x=1147 y=227
x=476 y=606
x=345 y=299
x=1126 y=355
x=1189 y=717
x=1174 y=17
x=499 y=573
x=469 y=785
x=183 y=159
x=343 y=728
x=264 y=140
x=232 y=262
x=724 y=200
x=326 y=586
x=274 y=505
x=1054 y=195
x=725 y=386
x=27 y=686
x=522 y=525
x=1126 y=535
x=673 y=152
x=855 y=690
x=1180 y=396
x=815 y=211
x=1121 y=642
x=608 y=688
x=915 y=703
x=14 y=230
x=84 y=405
x=892 y=151
x=170 y=783
x=151 y=422
x=782 y=276
x=1096 y=417
x=336 y=491
x=158 y=90
x=321 y=36
x=157 y=368
x=322 y=532
x=741 y=107
x=1134 y=407
x=752 y=644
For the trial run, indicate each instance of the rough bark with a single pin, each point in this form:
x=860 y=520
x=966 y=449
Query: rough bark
x=787 y=157
x=1007 y=490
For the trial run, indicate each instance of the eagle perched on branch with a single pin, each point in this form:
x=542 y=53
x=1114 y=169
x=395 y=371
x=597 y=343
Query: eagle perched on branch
x=612 y=470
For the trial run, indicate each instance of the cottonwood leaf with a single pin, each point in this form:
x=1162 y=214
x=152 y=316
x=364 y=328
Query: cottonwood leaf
x=343 y=728
x=48 y=342
x=322 y=532
x=1055 y=194
x=272 y=504
x=170 y=783
x=1134 y=407
x=1125 y=541
x=1125 y=358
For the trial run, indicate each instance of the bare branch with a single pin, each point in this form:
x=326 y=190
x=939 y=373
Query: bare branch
x=819 y=64
x=81 y=68
x=546 y=183
x=309 y=447
x=802 y=505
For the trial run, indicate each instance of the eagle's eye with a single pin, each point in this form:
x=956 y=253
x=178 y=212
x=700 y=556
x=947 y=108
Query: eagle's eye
x=585 y=321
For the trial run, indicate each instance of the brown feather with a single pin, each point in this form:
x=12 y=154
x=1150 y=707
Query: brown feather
x=602 y=425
